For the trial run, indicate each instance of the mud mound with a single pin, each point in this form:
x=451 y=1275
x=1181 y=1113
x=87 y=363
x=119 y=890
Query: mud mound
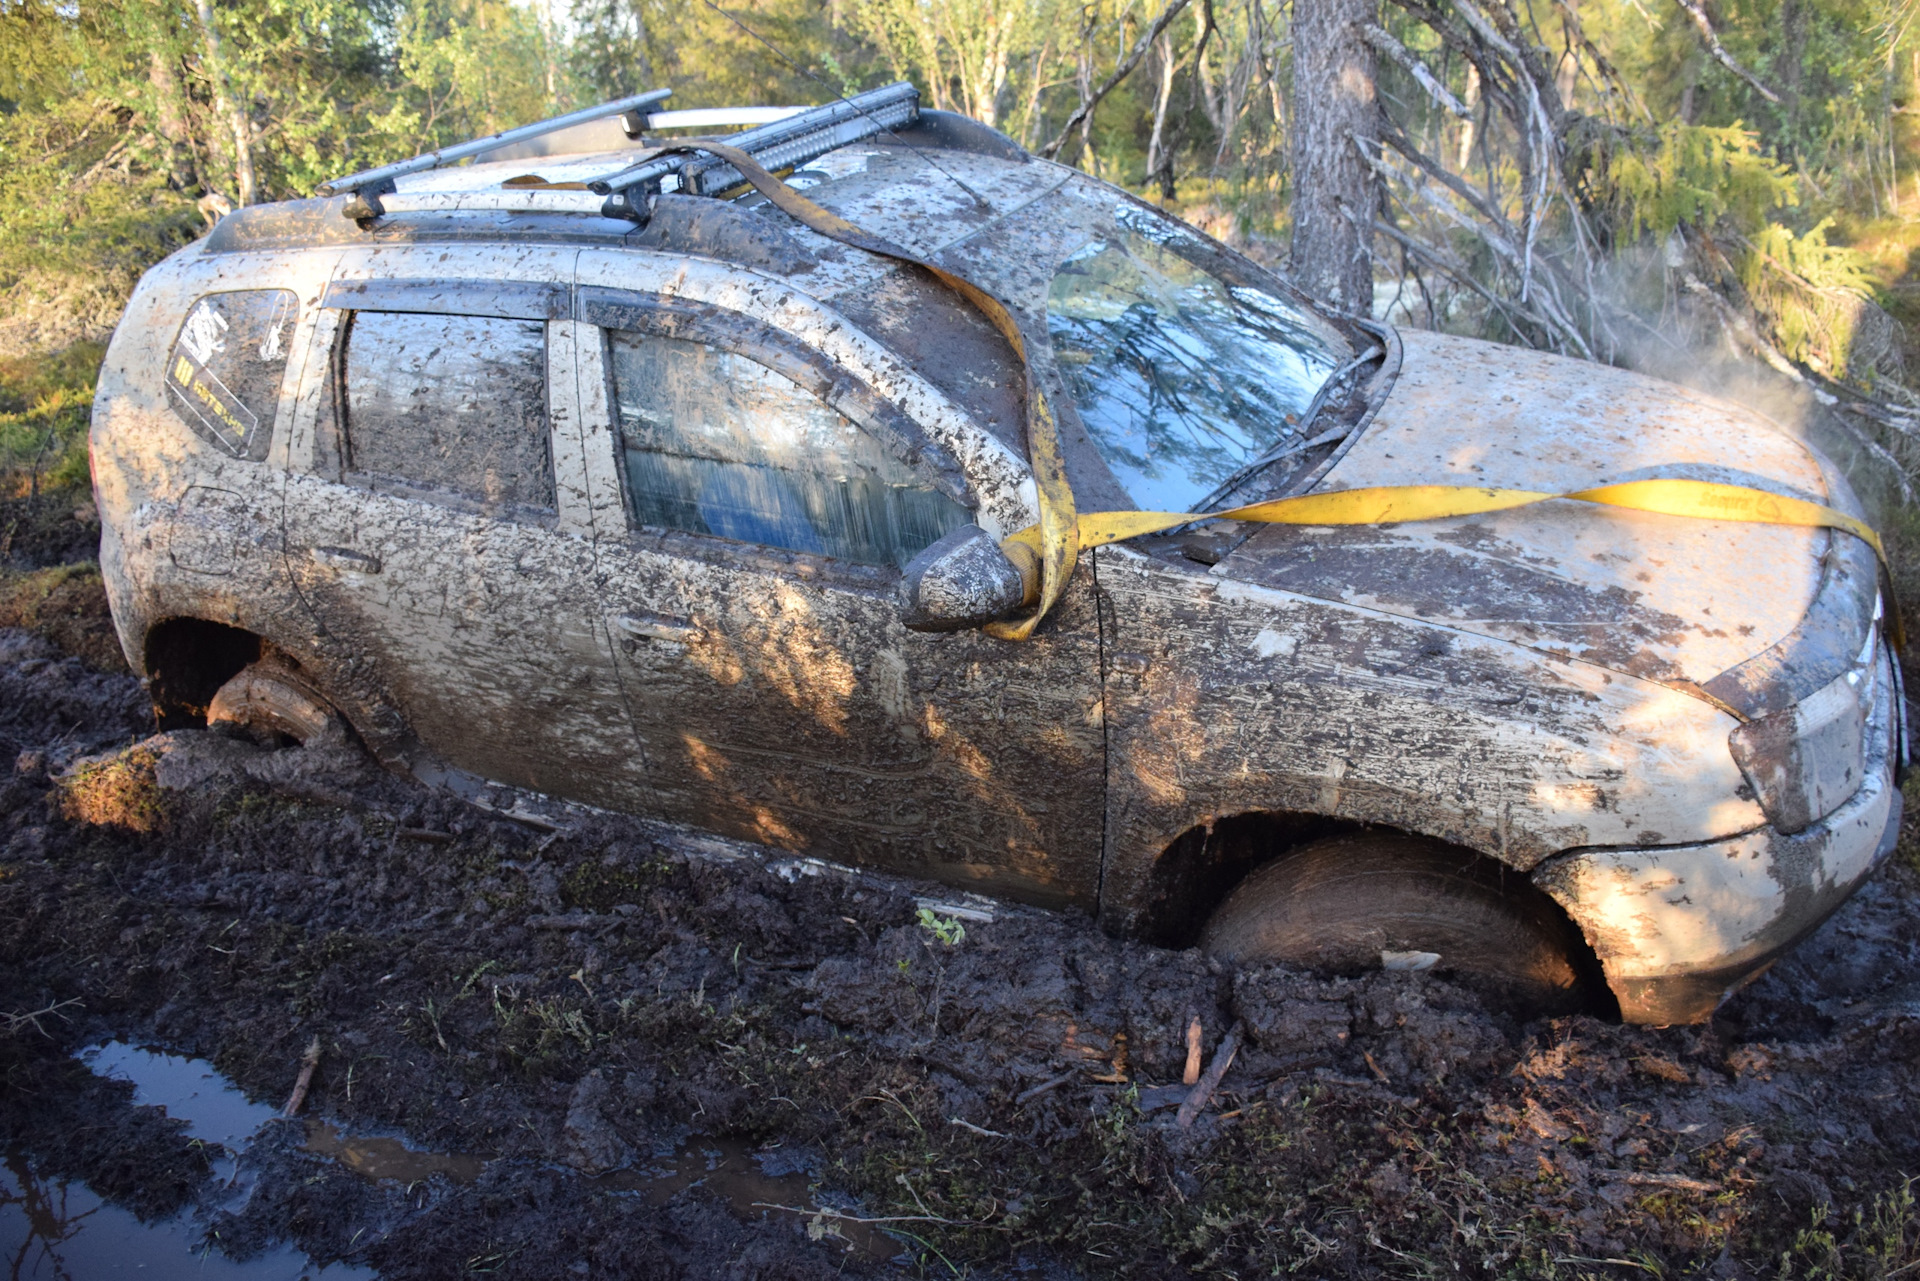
x=980 y=1096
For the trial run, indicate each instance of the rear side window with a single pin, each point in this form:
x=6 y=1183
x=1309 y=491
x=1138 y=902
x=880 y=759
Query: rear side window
x=455 y=403
x=716 y=443
x=226 y=366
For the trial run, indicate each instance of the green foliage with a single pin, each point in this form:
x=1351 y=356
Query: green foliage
x=45 y=405
x=946 y=929
x=1715 y=180
x=1696 y=174
x=1813 y=294
x=112 y=123
x=1876 y=1243
x=75 y=206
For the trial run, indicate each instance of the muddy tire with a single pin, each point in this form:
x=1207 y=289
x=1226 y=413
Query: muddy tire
x=270 y=702
x=1368 y=901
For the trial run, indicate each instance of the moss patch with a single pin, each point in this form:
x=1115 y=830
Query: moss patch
x=117 y=792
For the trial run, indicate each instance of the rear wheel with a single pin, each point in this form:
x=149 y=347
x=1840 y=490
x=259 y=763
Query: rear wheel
x=270 y=701
x=1368 y=901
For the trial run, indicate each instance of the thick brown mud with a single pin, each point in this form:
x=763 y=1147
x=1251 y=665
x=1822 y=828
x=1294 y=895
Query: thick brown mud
x=619 y=1050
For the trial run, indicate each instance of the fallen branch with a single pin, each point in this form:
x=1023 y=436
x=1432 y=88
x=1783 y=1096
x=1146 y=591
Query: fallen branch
x=1881 y=452
x=308 y=1062
x=1676 y=1182
x=14 y=1022
x=1203 y=1092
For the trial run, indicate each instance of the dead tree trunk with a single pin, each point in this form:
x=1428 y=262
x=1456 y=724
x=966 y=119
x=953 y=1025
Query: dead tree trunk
x=1336 y=193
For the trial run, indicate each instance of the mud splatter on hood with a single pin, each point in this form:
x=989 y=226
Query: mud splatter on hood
x=1653 y=596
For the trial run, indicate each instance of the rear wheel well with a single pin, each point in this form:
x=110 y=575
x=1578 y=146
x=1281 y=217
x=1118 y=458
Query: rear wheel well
x=188 y=660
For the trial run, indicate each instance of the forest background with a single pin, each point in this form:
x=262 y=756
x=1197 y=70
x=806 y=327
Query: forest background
x=1720 y=190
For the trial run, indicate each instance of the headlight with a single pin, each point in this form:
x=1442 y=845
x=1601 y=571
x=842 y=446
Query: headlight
x=1804 y=762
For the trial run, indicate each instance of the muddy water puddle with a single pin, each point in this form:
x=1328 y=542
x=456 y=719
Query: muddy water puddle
x=60 y=1228
x=57 y=1230
x=190 y=1090
x=753 y=1184
x=382 y=1157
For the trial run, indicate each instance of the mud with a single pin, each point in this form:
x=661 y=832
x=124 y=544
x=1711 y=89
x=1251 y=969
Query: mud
x=620 y=1050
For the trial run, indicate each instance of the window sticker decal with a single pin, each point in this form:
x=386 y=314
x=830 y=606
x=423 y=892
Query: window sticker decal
x=224 y=373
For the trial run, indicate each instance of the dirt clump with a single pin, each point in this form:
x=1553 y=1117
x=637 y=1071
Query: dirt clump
x=996 y=1097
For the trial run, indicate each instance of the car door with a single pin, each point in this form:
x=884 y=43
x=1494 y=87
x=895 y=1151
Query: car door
x=767 y=498
x=434 y=530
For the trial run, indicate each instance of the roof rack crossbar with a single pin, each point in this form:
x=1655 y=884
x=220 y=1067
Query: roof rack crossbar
x=370 y=184
x=783 y=144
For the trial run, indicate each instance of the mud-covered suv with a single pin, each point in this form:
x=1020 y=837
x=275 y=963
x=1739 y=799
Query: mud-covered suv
x=630 y=499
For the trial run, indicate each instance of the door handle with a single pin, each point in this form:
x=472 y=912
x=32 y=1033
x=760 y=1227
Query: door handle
x=347 y=558
x=657 y=627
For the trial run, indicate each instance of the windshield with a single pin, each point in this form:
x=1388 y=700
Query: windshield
x=1181 y=374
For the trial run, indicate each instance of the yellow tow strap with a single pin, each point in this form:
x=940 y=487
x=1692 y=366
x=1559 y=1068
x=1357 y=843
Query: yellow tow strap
x=1395 y=504
x=1055 y=541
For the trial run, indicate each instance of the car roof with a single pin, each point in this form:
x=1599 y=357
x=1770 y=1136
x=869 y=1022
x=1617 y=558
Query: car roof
x=537 y=192
x=945 y=187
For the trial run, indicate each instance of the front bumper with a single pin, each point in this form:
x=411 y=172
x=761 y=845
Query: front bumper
x=1678 y=928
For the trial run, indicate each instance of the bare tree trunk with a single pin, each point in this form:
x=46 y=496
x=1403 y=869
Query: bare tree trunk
x=170 y=120
x=547 y=53
x=1466 y=127
x=1158 y=165
x=1033 y=96
x=227 y=109
x=1336 y=131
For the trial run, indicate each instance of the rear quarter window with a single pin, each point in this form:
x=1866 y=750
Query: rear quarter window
x=226 y=366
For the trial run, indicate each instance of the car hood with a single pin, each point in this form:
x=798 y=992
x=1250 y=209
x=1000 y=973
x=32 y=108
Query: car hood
x=1666 y=598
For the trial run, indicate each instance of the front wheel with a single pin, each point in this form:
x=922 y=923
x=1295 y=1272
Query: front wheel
x=1369 y=901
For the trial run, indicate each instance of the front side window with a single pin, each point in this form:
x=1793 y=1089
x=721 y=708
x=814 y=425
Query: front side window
x=1182 y=375
x=716 y=443
x=225 y=368
x=455 y=403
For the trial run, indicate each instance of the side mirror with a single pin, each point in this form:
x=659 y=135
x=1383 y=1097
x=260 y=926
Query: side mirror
x=962 y=581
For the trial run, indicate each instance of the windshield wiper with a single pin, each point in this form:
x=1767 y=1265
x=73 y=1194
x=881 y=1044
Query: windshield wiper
x=1293 y=444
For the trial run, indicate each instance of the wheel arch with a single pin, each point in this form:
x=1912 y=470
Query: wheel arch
x=186 y=660
x=1196 y=872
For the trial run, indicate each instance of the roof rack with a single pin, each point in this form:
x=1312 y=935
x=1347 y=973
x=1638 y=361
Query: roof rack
x=369 y=185
x=783 y=144
x=791 y=138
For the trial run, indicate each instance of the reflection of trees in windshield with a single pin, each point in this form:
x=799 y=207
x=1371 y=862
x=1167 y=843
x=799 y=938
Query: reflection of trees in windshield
x=1179 y=378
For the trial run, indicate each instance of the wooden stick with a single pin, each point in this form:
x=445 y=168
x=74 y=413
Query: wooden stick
x=1192 y=1073
x=308 y=1062
x=1039 y=1090
x=1203 y=1092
